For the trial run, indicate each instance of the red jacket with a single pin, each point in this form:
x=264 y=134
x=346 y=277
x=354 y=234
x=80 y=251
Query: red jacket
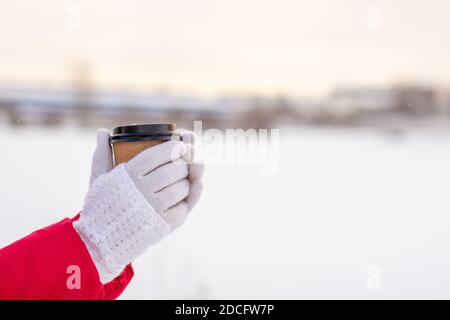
x=53 y=263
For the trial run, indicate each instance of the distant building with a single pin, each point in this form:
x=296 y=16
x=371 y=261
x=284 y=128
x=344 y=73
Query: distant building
x=415 y=100
x=443 y=101
x=349 y=101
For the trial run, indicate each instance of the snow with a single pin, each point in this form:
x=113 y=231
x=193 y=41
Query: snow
x=342 y=203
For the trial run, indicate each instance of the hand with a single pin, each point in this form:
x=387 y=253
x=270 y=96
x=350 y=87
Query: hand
x=196 y=170
x=135 y=204
x=102 y=163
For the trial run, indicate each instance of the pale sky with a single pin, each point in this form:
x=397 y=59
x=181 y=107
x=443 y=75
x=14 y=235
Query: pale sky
x=235 y=46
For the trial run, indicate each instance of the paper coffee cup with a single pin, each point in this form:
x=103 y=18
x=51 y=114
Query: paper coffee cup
x=128 y=141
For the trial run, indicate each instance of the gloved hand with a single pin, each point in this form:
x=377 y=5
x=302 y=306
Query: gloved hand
x=136 y=204
x=102 y=163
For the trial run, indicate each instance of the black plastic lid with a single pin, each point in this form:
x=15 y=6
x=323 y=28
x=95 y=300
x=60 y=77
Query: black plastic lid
x=137 y=132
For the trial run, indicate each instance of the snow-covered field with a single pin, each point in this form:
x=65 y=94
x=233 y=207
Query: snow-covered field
x=350 y=214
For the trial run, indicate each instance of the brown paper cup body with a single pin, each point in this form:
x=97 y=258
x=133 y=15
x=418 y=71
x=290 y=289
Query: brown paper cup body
x=125 y=151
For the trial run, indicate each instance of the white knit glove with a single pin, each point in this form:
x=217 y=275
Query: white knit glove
x=133 y=206
x=196 y=169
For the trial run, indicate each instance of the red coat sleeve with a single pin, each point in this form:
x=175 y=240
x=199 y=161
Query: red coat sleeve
x=53 y=263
